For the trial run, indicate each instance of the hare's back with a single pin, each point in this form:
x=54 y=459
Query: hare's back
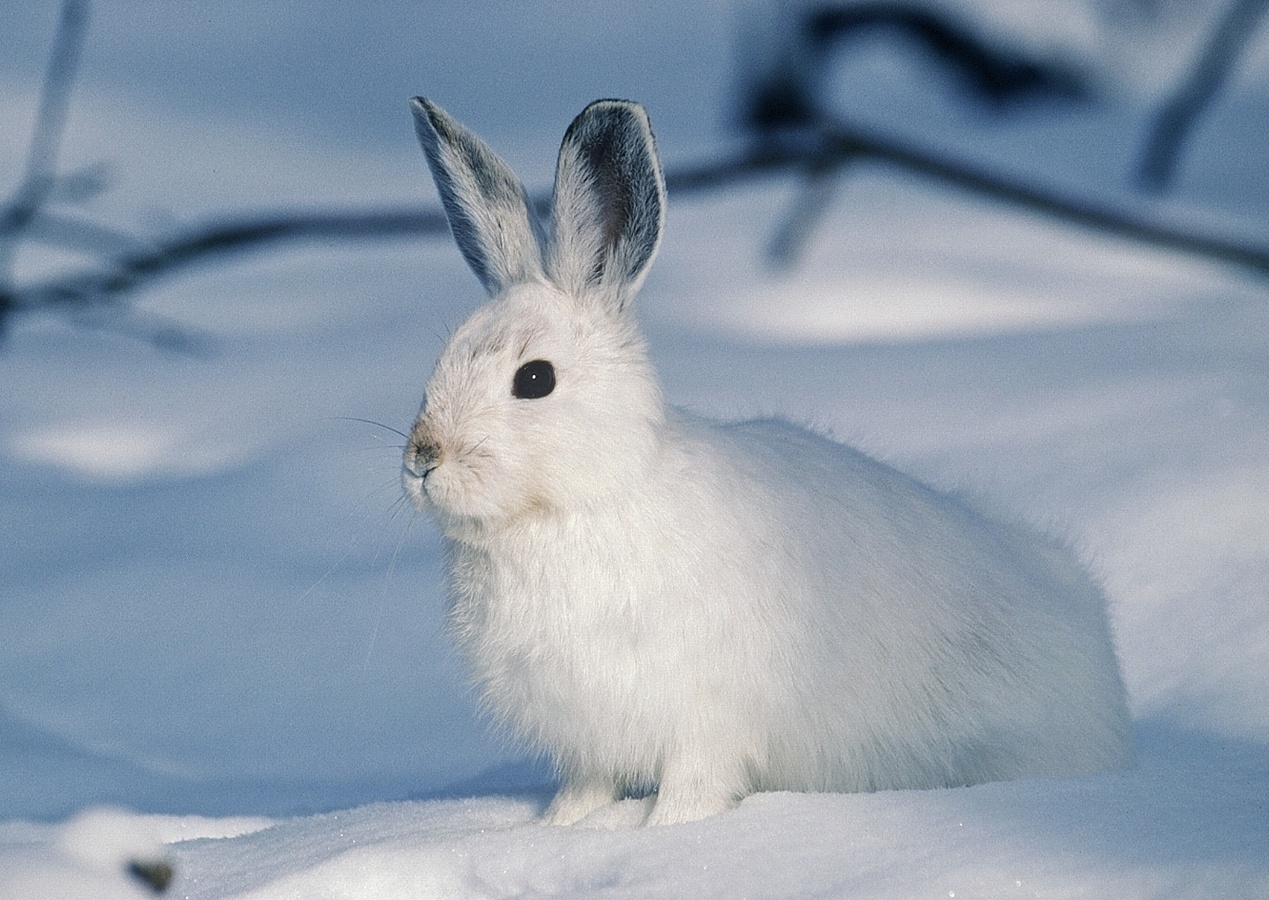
x=862 y=541
x=912 y=599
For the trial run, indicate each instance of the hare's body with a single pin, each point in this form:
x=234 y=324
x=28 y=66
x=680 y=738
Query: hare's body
x=681 y=635
x=656 y=601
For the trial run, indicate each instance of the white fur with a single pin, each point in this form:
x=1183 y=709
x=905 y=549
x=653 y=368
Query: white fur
x=660 y=602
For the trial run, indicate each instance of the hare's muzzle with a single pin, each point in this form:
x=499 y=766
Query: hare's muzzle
x=420 y=458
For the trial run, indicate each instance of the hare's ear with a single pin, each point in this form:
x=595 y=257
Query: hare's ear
x=485 y=202
x=608 y=211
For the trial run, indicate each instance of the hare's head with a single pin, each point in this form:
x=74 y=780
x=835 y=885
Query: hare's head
x=544 y=400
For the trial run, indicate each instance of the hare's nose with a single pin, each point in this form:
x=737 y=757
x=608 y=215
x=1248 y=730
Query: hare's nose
x=421 y=458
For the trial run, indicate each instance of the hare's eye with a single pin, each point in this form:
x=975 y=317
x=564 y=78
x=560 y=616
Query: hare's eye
x=534 y=380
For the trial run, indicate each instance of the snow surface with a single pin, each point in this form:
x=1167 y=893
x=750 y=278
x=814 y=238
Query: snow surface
x=222 y=643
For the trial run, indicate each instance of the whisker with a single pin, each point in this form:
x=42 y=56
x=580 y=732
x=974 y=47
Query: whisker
x=395 y=431
x=388 y=486
x=376 y=448
x=387 y=584
x=402 y=503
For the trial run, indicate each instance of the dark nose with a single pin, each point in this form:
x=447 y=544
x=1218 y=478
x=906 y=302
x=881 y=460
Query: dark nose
x=421 y=458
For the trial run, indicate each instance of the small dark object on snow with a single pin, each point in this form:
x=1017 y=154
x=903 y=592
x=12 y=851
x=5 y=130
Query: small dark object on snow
x=156 y=874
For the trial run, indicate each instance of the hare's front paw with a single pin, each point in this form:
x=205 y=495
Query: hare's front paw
x=576 y=800
x=690 y=793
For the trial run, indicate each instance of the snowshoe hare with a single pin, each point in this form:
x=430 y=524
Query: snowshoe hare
x=659 y=602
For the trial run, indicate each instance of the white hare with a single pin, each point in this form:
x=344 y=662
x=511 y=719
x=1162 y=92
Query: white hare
x=659 y=602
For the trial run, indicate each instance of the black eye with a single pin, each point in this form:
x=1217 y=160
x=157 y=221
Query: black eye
x=534 y=380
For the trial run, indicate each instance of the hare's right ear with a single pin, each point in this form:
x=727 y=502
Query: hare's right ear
x=486 y=204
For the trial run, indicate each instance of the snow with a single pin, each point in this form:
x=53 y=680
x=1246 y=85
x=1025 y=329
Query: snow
x=222 y=632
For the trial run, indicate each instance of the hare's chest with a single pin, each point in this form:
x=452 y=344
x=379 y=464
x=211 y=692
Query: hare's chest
x=578 y=597
x=569 y=623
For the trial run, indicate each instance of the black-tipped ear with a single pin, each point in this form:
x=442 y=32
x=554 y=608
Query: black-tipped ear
x=608 y=210
x=485 y=202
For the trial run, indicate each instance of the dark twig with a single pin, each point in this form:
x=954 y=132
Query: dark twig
x=848 y=142
x=843 y=142
x=136 y=270
x=50 y=122
x=1178 y=116
x=809 y=206
x=783 y=99
x=990 y=72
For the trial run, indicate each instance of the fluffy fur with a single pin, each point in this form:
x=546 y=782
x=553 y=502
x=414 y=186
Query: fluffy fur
x=660 y=602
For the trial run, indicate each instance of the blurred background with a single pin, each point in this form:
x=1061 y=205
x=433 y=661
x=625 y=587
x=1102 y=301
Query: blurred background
x=1015 y=248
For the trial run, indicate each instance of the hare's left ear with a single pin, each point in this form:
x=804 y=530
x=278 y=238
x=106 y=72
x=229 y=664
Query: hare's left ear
x=608 y=211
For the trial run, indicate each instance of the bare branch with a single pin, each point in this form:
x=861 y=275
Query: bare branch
x=784 y=90
x=50 y=123
x=133 y=271
x=839 y=144
x=847 y=141
x=995 y=74
x=812 y=202
x=1177 y=117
